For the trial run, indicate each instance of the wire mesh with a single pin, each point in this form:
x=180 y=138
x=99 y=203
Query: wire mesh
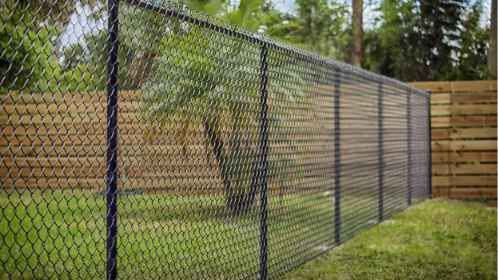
x=141 y=140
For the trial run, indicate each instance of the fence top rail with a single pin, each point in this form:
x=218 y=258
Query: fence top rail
x=176 y=11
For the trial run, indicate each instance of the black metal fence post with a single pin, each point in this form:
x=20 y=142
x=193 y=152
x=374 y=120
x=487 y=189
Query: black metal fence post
x=380 y=158
x=337 y=156
x=429 y=148
x=409 y=144
x=263 y=166
x=112 y=140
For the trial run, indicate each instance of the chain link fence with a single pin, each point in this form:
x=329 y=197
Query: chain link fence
x=141 y=140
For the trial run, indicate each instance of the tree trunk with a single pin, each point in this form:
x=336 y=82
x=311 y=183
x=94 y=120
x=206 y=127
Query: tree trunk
x=492 y=42
x=231 y=160
x=357 y=55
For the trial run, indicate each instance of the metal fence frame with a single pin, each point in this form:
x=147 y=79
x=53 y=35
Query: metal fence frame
x=264 y=45
x=112 y=93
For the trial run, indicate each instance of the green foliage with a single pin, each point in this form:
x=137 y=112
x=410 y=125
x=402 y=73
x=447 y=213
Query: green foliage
x=54 y=12
x=245 y=10
x=65 y=229
x=427 y=40
x=139 y=29
x=412 y=40
x=27 y=56
x=17 y=57
x=320 y=26
x=190 y=85
x=192 y=81
x=474 y=47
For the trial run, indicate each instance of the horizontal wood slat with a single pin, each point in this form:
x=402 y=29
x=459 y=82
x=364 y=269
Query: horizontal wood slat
x=464 y=133
x=456 y=86
x=463 y=145
x=463 y=98
x=464 y=168
x=457 y=110
x=475 y=193
x=464 y=180
x=464 y=121
x=462 y=157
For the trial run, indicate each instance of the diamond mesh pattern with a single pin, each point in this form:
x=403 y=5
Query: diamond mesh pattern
x=233 y=157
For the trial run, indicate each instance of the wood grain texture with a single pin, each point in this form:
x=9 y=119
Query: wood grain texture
x=48 y=140
x=463 y=138
x=58 y=140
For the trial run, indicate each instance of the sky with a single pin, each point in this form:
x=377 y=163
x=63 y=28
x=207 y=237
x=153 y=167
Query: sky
x=285 y=6
x=80 y=24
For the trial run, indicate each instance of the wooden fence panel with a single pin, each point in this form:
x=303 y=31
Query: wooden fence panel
x=58 y=140
x=463 y=138
x=55 y=140
x=45 y=136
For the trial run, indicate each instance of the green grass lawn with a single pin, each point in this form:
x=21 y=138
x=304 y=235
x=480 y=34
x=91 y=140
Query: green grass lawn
x=436 y=239
x=61 y=234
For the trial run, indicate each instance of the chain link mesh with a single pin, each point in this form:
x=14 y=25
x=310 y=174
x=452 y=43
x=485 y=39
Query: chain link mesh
x=233 y=156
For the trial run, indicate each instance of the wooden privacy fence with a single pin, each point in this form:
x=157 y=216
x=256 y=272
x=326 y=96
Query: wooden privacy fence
x=58 y=141
x=463 y=138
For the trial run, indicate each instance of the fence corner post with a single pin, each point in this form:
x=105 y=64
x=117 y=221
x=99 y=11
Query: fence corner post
x=112 y=140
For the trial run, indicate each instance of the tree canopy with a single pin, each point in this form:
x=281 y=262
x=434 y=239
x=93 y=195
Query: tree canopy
x=408 y=40
x=428 y=40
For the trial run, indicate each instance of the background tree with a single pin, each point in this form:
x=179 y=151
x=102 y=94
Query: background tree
x=427 y=40
x=357 y=55
x=319 y=26
x=473 y=46
x=28 y=35
x=194 y=91
x=492 y=44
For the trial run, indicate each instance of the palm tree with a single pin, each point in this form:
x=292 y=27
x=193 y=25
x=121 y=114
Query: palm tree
x=206 y=77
